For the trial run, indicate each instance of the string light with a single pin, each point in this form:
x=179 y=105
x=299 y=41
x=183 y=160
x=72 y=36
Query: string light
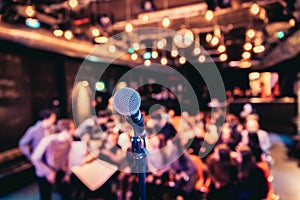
x=154 y=54
x=254 y=9
x=73 y=3
x=30 y=11
x=145 y=18
x=259 y=49
x=208 y=37
x=292 y=22
x=250 y=33
x=101 y=40
x=163 y=61
x=201 y=58
x=68 y=35
x=147 y=63
x=134 y=56
x=112 y=48
x=247 y=46
x=128 y=27
x=95 y=32
x=197 y=51
x=214 y=41
x=58 y=33
x=174 y=53
x=136 y=46
x=166 y=22
x=209 y=15
x=182 y=60
x=246 y=55
x=223 y=57
x=221 y=48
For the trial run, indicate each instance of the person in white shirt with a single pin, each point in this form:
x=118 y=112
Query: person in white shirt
x=252 y=129
x=51 y=162
x=34 y=134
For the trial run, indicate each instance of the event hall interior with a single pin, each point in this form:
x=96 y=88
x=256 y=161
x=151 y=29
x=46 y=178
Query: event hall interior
x=217 y=84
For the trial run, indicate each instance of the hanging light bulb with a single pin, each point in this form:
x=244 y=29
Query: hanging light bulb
x=214 y=41
x=201 y=58
x=259 y=49
x=221 y=48
x=128 y=27
x=246 y=55
x=147 y=63
x=68 y=35
x=250 y=33
x=166 y=22
x=292 y=22
x=134 y=56
x=95 y=32
x=154 y=54
x=112 y=48
x=163 y=60
x=161 y=43
x=254 y=9
x=247 y=46
x=145 y=18
x=136 y=46
x=223 y=57
x=30 y=11
x=174 y=53
x=182 y=60
x=73 y=3
x=208 y=37
x=209 y=15
x=58 y=32
x=197 y=51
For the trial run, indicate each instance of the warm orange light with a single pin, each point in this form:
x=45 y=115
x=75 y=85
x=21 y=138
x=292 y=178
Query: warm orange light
x=147 y=63
x=58 y=33
x=166 y=22
x=259 y=49
x=254 y=9
x=128 y=27
x=182 y=60
x=209 y=15
x=223 y=57
x=247 y=46
x=250 y=33
x=95 y=32
x=163 y=61
x=134 y=56
x=221 y=48
x=68 y=35
x=174 y=53
x=201 y=58
x=30 y=11
x=154 y=54
x=246 y=55
x=214 y=41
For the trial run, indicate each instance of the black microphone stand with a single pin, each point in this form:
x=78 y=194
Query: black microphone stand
x=139 y=150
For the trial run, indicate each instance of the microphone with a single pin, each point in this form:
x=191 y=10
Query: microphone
x=127 y=102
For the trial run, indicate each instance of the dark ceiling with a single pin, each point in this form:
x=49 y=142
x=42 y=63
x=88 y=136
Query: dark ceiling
x=233 y=20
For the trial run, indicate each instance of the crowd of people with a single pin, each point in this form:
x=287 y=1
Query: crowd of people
x=190 y=157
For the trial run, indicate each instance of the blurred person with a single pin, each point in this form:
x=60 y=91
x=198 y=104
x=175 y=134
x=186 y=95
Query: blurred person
x=184 y=173
x=34 y=134
x=226 y=137
x=253 y=131
x=247 y=110
x=161 y=125
x=51 y=161
x=157 y=166
x=223 y=173
x=252 y=183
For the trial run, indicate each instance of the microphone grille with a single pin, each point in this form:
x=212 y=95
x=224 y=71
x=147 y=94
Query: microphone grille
x=127 y=101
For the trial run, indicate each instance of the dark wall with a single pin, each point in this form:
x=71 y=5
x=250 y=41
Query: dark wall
x=29 y=81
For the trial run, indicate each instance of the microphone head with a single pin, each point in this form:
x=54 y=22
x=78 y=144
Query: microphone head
x=127 y=101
